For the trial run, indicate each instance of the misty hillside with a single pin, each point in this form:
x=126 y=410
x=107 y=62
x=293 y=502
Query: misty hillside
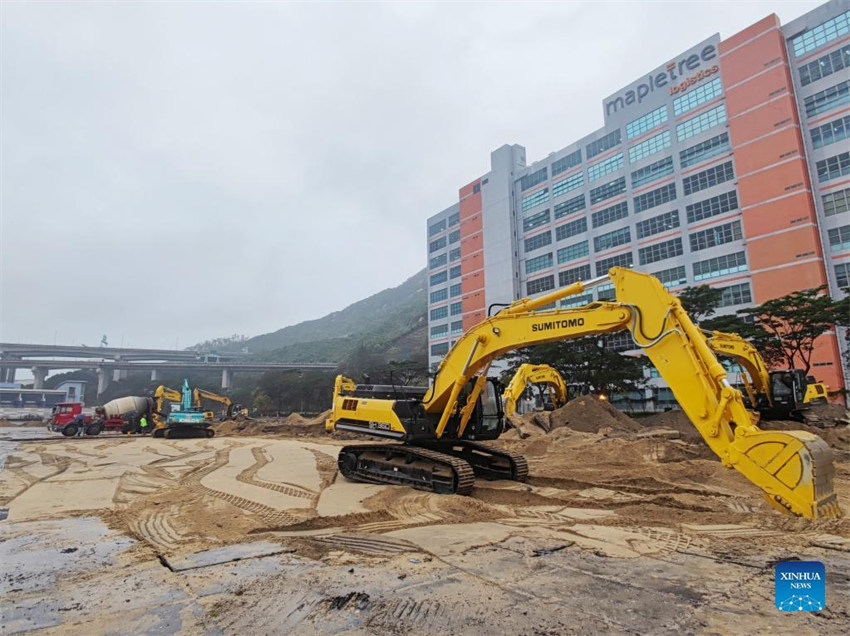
x=393 y=321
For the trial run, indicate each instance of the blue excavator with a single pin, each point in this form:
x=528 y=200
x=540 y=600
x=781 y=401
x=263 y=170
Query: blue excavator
x=187 y=421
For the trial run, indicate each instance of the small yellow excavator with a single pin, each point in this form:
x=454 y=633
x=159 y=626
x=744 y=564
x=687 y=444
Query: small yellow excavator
x=779 y=394
x=199 y=395
x=440 y=428
x=535 y=374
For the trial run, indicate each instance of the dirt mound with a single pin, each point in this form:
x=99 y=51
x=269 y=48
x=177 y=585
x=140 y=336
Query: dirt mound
x=837 y=437
x=827 y=414
x=293 y=425
x=676 y=420
x=590 y=415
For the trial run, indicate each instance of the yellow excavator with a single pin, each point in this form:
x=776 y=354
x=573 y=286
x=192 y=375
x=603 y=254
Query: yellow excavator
x=778 y=394
x=441 y=427
x=199 y=395
x=534 y=374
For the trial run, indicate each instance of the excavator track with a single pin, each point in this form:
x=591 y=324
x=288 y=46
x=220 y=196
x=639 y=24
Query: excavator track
x=404 y=465
x=487 y=462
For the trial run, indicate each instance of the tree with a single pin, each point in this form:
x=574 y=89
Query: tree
x=792 y=323
x=590 y=364
x=701 y=301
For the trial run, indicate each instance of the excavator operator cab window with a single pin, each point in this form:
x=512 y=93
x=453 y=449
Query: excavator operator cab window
x=492 y=412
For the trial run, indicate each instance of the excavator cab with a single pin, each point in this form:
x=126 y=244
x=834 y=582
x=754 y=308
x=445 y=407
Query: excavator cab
x=491 y=414
x=788 y=388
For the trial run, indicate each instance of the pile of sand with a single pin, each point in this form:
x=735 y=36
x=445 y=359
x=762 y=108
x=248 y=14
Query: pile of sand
x=827 y=414
x=588 y=414
x=293 y=425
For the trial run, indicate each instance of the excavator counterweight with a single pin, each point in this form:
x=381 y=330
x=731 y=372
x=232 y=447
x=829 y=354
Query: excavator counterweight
x=463 y=407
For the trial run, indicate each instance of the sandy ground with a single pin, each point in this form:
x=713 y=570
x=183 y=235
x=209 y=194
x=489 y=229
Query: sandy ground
x=254 y=532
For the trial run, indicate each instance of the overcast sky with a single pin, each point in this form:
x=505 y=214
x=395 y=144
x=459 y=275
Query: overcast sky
x=176 y=171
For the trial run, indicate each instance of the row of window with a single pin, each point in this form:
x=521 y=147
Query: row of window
x=716 y=205
x=439 y=226
x=821 y=34
x=714 y=236
x=442 y=277
x=842 y=275
x=615 y=238
x=708 y=178
x=697 y=96
x=565 y=163
x=702 y=122
x=565 y=185
x=705 y=150
x=455 y=309
x=570 y=206
x=839 y=238
x=833 y=167
x=660 y=251
x=541 y=196
x=652 y=172
x=608 y=190
x=538 y=263
x=607 y=142
x=611 y=214
x=536 y=220
x=655 y=197
x=825 y=66
x=827 y=99
x=831 y=132
x=441 y=331
x=439 y=295
x=650 y=146
x=531 y=180
x=658 y=224
x=574 y=251
x=599 y=170
x=646 y=122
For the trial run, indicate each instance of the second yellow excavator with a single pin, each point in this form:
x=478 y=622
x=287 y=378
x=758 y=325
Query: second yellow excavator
x=440 y=428
x=534 y=374
x=778 y=394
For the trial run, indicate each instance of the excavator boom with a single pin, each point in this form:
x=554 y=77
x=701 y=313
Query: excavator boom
x=534 y=374
x=793 y=468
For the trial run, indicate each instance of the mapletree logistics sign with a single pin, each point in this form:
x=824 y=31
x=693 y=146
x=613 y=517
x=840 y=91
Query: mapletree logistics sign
x=675 y=78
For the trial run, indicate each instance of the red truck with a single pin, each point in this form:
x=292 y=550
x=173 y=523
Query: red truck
x=68 y=418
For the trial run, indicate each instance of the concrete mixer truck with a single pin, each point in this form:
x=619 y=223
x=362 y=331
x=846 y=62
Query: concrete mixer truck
x=121 y=416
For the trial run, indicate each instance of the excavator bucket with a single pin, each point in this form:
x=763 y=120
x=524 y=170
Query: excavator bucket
x=794 y=468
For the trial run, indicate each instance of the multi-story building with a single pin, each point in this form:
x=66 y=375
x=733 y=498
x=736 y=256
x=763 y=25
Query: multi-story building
x=729 y=165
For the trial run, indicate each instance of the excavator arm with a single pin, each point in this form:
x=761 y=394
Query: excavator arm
x=757 y=384
x=200 y=394
x=162 y=395
x=534 y=374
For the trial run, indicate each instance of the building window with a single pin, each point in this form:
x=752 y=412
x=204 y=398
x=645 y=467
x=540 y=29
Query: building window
x=609 y=215
x=842 y=275
x=821 y=34
x=836 y=202
x=577 y=301
x=439 y=312
x=570 y=276
x=454 y=254
x=441 y=277
x=825 y=66
x=646 y=123
x=454 y=236
x=539 y=240
x=438 y=295
x=476 y=188
x=540 y=285
x=831 y=132
x=652 y=172
x=612 y=239
x=579 y=226
x=649 y=146
x=439 y=331
x=455 y=290
x=457 y=327
x=621 y=341
x=736 y=295
x=437 y=228
x=839 y=238
x=601 y=145
x=565 y=185
x=720 y=204
x=541 y=196
x=454 y=272
x=535 y=220
x=658 y=224
x=833 y=167
x=565 y=163
x=533 y=179
x=608 y=190
x=705 y=150
x=606 y=293
x=574 y=251
x=599 y=170
x=827 y=99
x=708 y=178
x=703 y=121
x=656 y=197
x=714 y=236
x=620 y=260
x=672 y=277
x=720 y=266
x=660 y=251
x=454 y=219
x=568 y=207
x=538 y=262
x=456 y=309
x=437 y=261
x=439 y=244
x=697 y=96
x=440 y=349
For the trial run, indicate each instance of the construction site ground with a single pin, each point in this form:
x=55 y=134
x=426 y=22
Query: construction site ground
x=625 y=526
